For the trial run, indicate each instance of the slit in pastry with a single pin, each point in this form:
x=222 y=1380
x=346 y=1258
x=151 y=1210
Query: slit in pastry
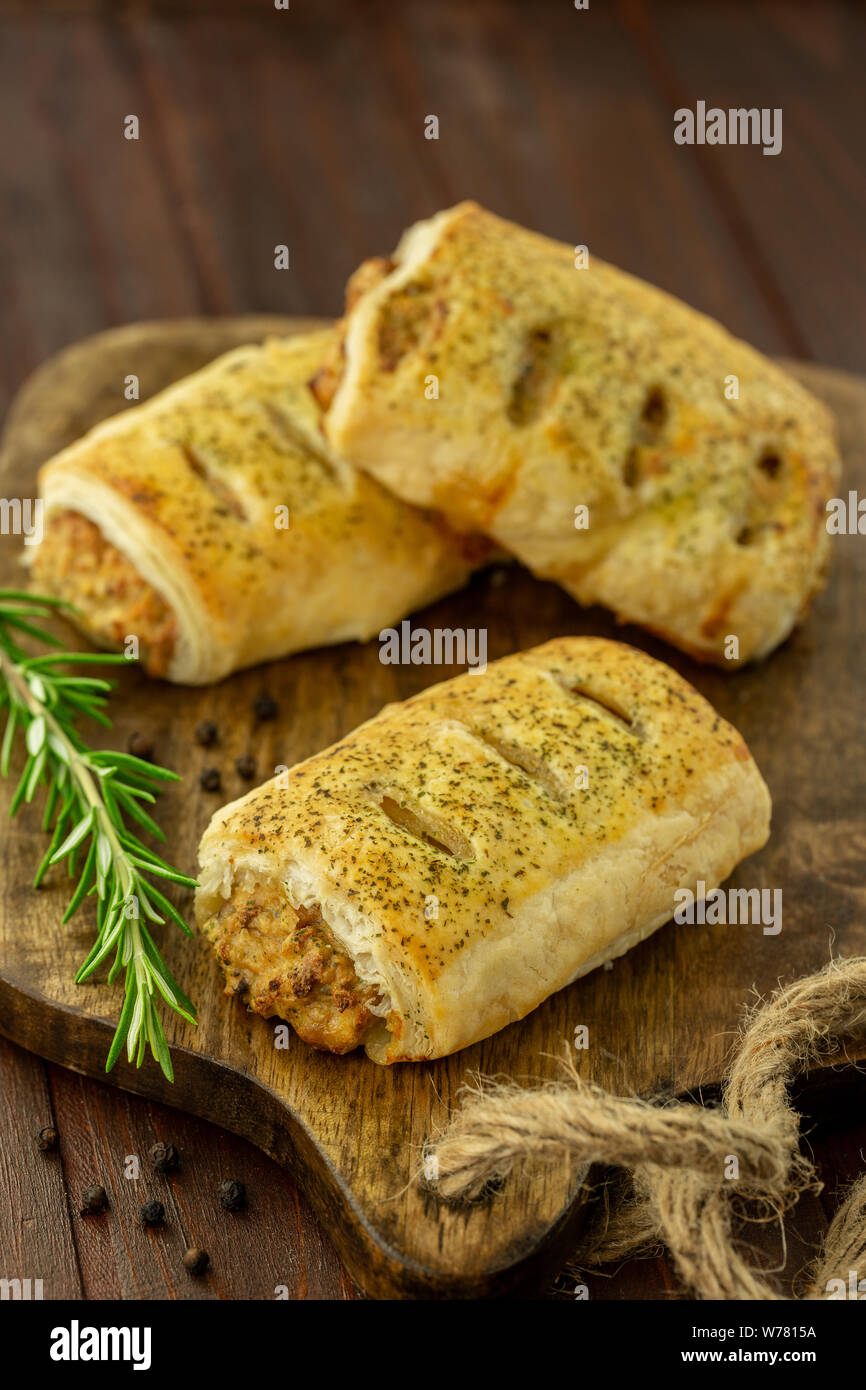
x=225 y=497
x=426 y=827
x=537 y=376
x=287 y=433
x=610 y=709
x=525 y=761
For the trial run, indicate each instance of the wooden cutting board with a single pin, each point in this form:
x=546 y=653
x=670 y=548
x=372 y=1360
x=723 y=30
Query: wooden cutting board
x=662 y=1018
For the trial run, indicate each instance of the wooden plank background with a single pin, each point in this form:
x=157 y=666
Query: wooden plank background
x=305 y=127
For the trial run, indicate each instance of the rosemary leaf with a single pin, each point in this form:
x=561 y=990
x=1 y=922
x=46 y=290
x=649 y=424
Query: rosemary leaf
x=95 y=791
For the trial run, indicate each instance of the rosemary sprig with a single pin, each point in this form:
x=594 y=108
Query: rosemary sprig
x=90 y=797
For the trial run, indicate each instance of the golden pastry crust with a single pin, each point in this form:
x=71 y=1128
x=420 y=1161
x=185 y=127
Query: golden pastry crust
x=225 y=500
x=478 y=847
x=562 y=388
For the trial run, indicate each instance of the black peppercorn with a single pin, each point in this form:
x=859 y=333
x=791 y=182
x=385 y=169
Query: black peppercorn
x=206 y=733
x=47 y=1139
x=152 y=1214
x=211 y=779
x=140 y=746
x=164 y=1158
x=265 y=707
x=246 y=766
x=232 y=1194
x=196 y=1261
x=94 y=1200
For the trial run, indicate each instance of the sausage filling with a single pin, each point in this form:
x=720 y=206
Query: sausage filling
x=74 y=561
x=368 y=275
x=287 y=963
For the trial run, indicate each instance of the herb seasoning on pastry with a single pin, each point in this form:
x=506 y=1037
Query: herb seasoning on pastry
x=214 y=523
x=563 y=388
x=444 y=868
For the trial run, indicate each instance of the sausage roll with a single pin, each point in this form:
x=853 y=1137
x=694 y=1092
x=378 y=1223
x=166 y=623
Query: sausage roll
x=440 y=871
x=612 y=438
x=215 y=524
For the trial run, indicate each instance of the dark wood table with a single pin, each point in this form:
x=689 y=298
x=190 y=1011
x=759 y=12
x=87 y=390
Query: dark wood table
x=306 y=127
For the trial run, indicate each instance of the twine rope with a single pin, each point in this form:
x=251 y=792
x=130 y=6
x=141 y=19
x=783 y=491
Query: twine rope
x=693 y=1171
